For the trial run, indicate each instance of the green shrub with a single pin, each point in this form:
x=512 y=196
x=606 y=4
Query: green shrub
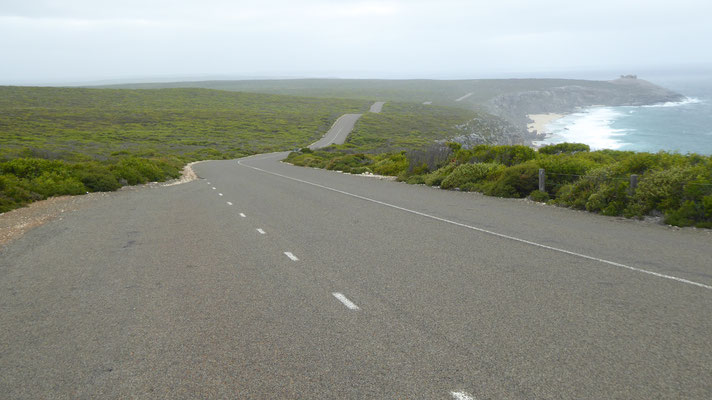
x=470 y=173
x=609 y=198
x=392 y=165
x=515 y=181
x=413 y=179
x=686 y=215
x=436 y=177
x=638 y=163
x=347 y=162
x=454 y=146
x=539 y=196
x=577 y=194
x=98 y=179
x=564 y=148
x=565 y=167
x=661 y=190
x=420 y=169
x=52 y=183
x=28 y=168
x=507 y=155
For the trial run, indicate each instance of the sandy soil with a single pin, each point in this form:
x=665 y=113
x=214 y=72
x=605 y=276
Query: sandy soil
x=16 y=223
x=540 y=121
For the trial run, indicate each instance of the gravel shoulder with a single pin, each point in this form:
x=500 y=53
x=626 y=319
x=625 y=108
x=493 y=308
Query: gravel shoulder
x=15 y=223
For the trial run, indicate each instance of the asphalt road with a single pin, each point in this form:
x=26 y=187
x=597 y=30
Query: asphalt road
x=262 y=281
x=377 y=107
x=338 y=132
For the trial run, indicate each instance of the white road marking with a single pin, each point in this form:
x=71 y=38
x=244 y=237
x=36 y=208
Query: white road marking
x=243 y=215
x=474 y=228
x=213 y=187
x=208 y=183
x=427 y=103
x=346 y=301
x=229 y=203
x=290 y=255
x=462 y=396
x=219 y=194
x=464 y=97
x=260 y=231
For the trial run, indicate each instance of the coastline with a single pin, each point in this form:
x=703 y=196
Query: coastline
x=540 y=121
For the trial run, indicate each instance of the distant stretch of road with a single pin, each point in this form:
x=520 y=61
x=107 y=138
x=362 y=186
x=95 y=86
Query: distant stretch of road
x=338 y=132
x=262 y=280
x=377 y=107
x=342 y=127
x=464 y=97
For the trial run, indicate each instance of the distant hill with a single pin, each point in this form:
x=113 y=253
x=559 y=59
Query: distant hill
x=509 y=99
x=439 y=92
x=626 y=91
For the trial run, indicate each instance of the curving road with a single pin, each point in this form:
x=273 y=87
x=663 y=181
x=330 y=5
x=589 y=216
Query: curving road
x=265 y=280
x=338 y=132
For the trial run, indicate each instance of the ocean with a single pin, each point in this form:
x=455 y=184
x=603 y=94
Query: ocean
x=684 y=127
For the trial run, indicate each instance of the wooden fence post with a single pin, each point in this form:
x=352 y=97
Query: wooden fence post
x=633 y=184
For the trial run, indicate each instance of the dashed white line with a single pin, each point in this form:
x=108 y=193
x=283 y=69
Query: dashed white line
x=474 y=228
x=219 y=194
x=348 y=303
x=229 y=203
x=291 y=256
x=462 y=396
x=213 y=187
x=262 y=232
x=208 y=183
x=243 y=215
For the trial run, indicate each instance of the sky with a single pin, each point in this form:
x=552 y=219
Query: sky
x=63 y=41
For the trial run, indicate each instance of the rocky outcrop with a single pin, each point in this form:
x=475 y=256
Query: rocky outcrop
x=626 y=91
x=490 y=129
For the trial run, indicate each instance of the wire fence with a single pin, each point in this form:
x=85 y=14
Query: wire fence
x=632 y=180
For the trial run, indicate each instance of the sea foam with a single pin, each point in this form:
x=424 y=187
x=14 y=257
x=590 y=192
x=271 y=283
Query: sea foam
x=688 y=100
x=591 y=126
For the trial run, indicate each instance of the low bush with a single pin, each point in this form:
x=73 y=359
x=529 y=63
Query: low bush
x=661 y=190
x=470 y=173
x=515 y=181
x=674 y=185
x=564 y=148
x=539 y=196
x=25 y=180
x=507 y=155
x=436 y=177
x=391 y=165
x=347 y=162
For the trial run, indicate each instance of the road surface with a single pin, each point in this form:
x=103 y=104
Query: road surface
x=338 y=132
x=464 y=97
x=262 y=280
x=377 y=107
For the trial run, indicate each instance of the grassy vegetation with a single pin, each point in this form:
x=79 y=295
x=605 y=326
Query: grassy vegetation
x=191 y=124
x=403 y=126
x=25 y=180
x=678 y=187
x=440 y=92
x=56 y=141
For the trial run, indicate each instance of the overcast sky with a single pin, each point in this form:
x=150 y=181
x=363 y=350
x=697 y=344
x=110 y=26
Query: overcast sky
x=45 y=41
